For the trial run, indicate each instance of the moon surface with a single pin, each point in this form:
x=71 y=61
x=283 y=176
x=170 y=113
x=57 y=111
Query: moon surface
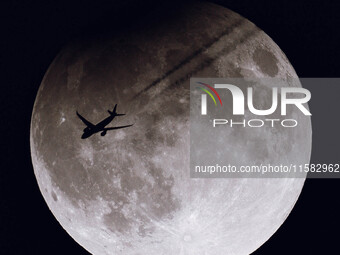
x=130 y=192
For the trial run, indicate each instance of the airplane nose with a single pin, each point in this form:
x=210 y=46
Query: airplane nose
x=84 y=136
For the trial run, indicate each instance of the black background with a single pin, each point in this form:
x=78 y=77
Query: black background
x=33 y=32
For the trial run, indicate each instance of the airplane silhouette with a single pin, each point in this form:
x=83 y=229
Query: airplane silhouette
x=101 y=126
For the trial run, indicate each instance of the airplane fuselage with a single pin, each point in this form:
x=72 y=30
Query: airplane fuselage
x=88 y=131
x=101 y=126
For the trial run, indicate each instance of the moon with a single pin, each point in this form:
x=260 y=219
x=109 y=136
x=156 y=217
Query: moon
x=130 y=192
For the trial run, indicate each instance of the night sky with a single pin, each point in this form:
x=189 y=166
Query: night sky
x=33 y=32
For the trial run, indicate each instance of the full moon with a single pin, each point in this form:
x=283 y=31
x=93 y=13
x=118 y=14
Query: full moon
x=130 y=192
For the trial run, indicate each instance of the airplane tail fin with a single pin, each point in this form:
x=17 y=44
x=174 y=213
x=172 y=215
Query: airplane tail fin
x=114 y=112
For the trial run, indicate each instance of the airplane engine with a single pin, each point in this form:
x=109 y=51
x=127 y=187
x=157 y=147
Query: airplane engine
x=103 y=133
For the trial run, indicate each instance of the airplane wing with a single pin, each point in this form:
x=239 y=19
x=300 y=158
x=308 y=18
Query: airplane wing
x=112 y=128
x=86 y=122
